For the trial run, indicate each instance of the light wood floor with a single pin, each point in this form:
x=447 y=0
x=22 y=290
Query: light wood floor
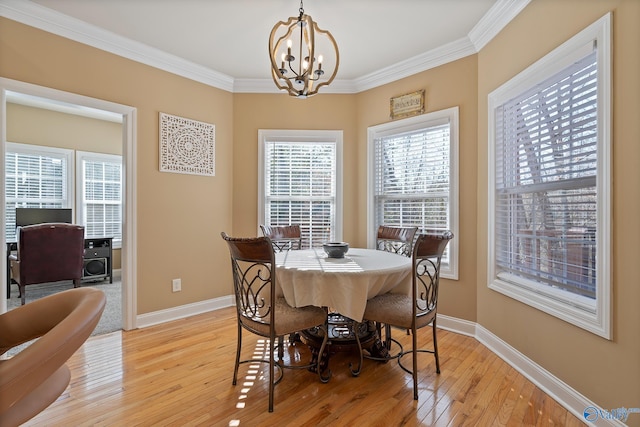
x=179 y=374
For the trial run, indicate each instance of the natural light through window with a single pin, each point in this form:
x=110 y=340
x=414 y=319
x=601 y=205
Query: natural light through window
x=413 y=178
x=255 y=372
x=300 y=182
x=549 y=180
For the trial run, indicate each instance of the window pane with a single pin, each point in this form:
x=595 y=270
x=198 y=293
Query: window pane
x=412 y=179
x=32 y=179
x=546 y=200
x=551 y=239
x=102 y=198
x=300 y=188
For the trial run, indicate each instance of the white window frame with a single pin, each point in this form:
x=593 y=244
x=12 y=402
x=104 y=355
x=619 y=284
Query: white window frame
x=558 y=303
x=62 y=153
x=449 y=268
x=301 y=136
x=82 y=156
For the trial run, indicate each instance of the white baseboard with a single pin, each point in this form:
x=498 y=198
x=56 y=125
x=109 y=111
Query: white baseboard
x=459 y=326
x=175 y=313
x=566 y=396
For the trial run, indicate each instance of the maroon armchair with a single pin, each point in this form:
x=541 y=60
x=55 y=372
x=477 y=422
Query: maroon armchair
x=49 y=252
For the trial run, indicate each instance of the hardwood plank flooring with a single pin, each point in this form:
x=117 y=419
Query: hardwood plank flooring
x=179 y=374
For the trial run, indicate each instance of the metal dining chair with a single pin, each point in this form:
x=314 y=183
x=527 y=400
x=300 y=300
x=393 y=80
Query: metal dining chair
x=260 y=312
x=283 y=237
x=417 y=310
x=398 y=240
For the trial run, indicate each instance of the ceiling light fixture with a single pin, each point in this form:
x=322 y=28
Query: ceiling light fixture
x=292 y=49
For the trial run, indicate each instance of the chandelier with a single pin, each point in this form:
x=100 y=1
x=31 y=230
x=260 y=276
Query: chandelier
x=293 y=47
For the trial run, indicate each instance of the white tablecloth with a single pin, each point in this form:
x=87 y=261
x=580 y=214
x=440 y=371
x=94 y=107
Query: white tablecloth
x=309 y=277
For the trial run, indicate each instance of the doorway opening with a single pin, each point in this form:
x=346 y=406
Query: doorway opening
x=42 y=98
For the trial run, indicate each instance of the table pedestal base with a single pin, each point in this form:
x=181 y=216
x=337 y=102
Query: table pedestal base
x=342 y=337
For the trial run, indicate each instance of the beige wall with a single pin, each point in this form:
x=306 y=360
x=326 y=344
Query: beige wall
x=37 y=126
x=607 y=372
x=180 y=216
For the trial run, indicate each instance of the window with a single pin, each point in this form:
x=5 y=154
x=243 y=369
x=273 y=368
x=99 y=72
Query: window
x=42 y=177
x=300 y=182
x=35 y=177
x=413 y=177
x=99 y=201
x=549 y=179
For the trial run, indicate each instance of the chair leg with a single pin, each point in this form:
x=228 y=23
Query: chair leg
x=387 y=336
x=355 y=372
x=271 y=371
x=280 y=347
x=21 y=287
x=239 y=340
x=415 y=364
x=325 y=340
x=435 y=347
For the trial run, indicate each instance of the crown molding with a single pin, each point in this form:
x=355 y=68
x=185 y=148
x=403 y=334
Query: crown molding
x=500 y=14
x=34 y=15
x=48 y=20
x=431 y=59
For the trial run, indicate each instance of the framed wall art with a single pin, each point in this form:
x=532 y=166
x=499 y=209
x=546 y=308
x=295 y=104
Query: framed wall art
x=407 y=105
x=187 y=146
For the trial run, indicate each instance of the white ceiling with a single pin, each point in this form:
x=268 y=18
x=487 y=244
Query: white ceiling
x=225 y=42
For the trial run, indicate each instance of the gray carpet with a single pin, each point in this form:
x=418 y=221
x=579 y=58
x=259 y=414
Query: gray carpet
x=111 y=319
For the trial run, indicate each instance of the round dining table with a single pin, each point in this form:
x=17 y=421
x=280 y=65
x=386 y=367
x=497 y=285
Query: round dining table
x=309 y=277
x=342 y=286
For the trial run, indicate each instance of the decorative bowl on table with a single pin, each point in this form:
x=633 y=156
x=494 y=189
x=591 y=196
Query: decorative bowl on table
x=335 y=249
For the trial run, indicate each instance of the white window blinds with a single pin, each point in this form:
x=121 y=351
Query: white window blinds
x=101 y=195
x=546 y=164
x=35 y=177
x=300 y=187
x=412 y=178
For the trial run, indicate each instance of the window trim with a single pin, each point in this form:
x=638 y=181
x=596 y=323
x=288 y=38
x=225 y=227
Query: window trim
x=561 y=304
x=266 y=135
x=79 y=178
x=450 y=115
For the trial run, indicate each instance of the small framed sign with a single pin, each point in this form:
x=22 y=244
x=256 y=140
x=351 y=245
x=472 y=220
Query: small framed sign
x=407 y=105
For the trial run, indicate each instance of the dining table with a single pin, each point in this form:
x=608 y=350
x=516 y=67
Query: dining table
x=310 y=277
x=342 y=286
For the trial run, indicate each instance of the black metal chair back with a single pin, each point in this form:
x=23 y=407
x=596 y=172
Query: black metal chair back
x=283 y=237
x=427 y=256
x=253 y=269
x=398 y=240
